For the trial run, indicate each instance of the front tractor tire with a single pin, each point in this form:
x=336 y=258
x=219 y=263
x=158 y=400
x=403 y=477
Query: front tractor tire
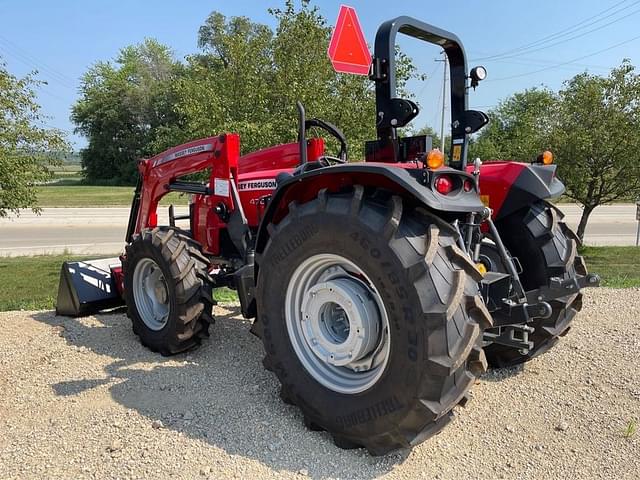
x=372 y=319
x=546 y=248
x=168 y=300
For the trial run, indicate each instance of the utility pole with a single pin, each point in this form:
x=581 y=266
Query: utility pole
x=444 y=99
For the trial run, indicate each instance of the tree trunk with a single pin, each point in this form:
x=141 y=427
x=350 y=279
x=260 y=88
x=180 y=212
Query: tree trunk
x=582 y=226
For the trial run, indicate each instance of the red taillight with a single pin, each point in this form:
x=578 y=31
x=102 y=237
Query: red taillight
x=468 y=186
x=444 y=184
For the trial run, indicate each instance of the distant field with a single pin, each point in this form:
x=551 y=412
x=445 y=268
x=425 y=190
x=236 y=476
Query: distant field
x=67 y=168
x=70 y=194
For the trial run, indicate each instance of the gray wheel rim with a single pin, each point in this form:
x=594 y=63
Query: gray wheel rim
x=337 y=323
x=150 y=294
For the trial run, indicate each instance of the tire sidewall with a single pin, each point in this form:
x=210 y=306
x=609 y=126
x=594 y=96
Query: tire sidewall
x=140 y=251
x=529 y=249
x=373 y=410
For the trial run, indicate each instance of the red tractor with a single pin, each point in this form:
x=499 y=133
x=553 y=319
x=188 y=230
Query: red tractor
x=381 y=289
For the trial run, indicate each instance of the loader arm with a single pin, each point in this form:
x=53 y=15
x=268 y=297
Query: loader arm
x=159 y=175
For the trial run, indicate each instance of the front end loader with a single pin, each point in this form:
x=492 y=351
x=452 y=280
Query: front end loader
x=380 y=289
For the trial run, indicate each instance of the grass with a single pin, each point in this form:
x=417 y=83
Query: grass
x=630 y=429
x=618 y=267
x=31 y=283
x=67 y=192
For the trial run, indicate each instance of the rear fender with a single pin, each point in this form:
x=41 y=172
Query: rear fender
x=413 y=183
x=509 y=186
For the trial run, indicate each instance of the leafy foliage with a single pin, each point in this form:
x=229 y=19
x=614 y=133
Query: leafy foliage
x=596 y=138
x=592 y=127
x=25 y=146
x=519 y=128
x=246 y=78
x=125 y=110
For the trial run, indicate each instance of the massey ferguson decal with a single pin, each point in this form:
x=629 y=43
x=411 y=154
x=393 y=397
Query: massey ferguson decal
x=207 y=147
x=258 y=184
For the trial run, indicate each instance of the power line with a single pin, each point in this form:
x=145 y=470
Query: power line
x=577 y=36
x=24 y=57
x=444 y=97
x=563 y=63
x=566 y=31
x=434 y=118
x=52 y=95
x=426 y=83
x=35 y=60
x=541 y=62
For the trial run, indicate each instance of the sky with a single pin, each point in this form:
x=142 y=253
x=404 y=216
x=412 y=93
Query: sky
x=521 y=43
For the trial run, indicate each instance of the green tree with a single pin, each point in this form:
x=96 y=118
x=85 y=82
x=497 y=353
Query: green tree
x=247 y=78
x=592 y=127
x=596 y=139
x=519 y=128
x=435 y=138
x=126 y=111
x=27 y=148
x=226 y=86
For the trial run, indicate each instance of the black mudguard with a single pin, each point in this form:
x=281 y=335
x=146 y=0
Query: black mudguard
x=416 y=183
x=535 y=182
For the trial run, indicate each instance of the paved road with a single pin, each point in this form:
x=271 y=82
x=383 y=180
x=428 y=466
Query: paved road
x=101 y=230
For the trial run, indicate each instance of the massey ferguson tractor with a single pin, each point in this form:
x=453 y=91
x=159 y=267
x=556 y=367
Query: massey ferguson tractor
x=381 y=289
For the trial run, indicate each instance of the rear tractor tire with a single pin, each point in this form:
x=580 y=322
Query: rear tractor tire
x=372 y=319
x=546 y=248
x=168 y=299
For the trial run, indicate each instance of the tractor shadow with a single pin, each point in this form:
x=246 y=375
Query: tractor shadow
x=219 y=394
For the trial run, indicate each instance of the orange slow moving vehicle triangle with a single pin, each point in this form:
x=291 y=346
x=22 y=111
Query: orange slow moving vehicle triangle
x=348 y=48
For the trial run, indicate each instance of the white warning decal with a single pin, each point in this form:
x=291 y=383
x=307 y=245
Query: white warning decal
x=221 y=187
x=258 y=184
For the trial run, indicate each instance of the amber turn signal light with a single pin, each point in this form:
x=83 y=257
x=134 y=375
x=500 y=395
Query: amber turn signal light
x=435 y=159
x=545 y=158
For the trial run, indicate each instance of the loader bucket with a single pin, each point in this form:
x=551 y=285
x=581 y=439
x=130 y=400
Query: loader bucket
x=88 y=287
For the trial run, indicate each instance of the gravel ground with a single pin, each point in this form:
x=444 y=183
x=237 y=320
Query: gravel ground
x=82 y=399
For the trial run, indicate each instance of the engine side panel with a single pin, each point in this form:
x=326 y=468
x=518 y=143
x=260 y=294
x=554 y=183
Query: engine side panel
x=254 y=189
x=279 y=156
x=257 y=172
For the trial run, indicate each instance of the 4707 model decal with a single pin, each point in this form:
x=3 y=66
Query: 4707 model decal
x=258 y=184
